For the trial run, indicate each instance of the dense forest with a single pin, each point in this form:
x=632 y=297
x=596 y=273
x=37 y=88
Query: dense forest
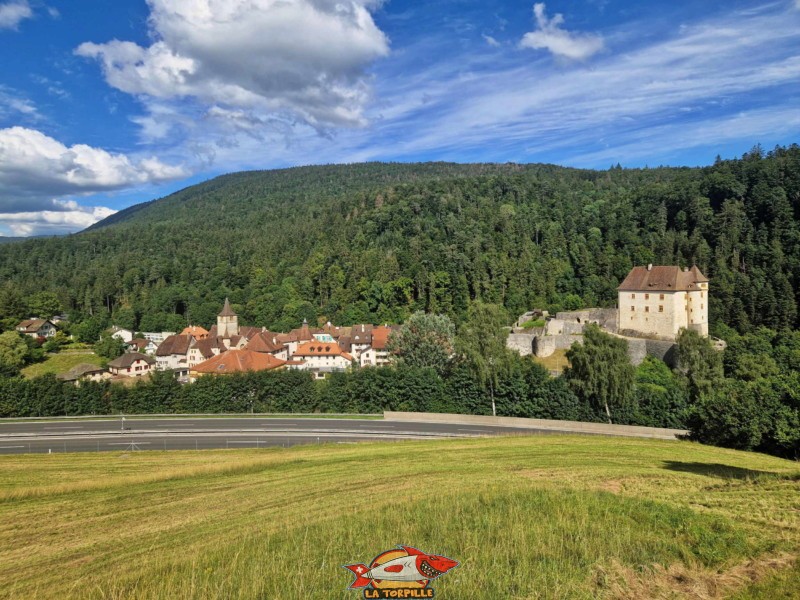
x=376 y=242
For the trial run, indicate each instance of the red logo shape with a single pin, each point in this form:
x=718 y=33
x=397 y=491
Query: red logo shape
x=403 y=568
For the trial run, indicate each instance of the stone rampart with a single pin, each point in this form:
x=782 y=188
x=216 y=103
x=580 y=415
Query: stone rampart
x=521 y=342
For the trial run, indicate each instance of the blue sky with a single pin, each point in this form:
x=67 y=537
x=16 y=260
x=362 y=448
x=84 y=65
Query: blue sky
x=106 y=104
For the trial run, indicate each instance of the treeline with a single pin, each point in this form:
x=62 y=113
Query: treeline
x=526 y=390
x=746 y=398
x=377 y=242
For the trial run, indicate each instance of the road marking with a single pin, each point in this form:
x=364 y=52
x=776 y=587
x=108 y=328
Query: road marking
x=474 y=430
x=244 y=441
x=6 y=447
x=65 y=427
x=176 y=425
x=126 y=443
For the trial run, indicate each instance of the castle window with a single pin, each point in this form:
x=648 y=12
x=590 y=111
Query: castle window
x=633 y=296
x=646 y=309
x=702 y=306
x=701 y=294
x=660 y=309
x=633 y=308
x=647 y=296
x=661 y=296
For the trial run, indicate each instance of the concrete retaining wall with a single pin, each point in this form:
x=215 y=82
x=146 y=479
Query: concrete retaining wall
x=541 y=424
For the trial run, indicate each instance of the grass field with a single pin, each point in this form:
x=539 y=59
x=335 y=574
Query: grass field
x=555 y=362
x=60 y=363
x=527 y=517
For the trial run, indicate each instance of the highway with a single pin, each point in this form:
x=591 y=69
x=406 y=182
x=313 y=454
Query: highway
x=195 y=433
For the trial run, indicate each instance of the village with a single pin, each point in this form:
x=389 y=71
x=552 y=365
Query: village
x=654 y=304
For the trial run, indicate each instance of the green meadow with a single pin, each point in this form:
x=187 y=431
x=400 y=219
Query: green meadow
x=527 y=517
x=61 y=363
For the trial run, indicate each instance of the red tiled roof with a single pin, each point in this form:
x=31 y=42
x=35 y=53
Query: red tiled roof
x=266 y=341
x=380 y=336
x=196 y=332
x=662 y=279
x=321 y=349
x=239 y=361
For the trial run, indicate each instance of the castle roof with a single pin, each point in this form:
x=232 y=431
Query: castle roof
x=662 y=279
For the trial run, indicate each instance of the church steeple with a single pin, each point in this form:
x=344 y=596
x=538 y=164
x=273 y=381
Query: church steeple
x=227 y=311
x=227 y=322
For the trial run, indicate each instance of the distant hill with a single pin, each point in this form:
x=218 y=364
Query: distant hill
x=373 y=242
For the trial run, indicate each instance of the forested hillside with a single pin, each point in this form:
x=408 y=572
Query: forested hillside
x=374 y=242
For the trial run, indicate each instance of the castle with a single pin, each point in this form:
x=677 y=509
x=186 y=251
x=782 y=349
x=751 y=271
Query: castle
x=658 y=302
x=654 y=304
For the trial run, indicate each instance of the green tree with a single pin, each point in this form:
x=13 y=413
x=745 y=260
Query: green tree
x=424 y=340
x=44 y=305
x=482 y=343
x=14 y=353
x=600 y=371
x=109 y=347
x=699 y=363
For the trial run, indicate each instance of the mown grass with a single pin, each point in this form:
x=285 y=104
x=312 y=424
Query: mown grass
x=528 y=517
x=60 y=363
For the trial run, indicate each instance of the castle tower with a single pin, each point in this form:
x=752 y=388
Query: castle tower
x=227 y=322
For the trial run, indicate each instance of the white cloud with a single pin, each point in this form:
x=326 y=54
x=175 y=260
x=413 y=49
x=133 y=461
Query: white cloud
x=306 y=58
x=560 y=42
x=14 y=105
x=34 y=168
x=494 y=43
x=69 y=217
x=13 y=13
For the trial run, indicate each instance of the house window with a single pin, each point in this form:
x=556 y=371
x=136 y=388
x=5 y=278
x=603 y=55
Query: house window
x=647 y=309
x=660 y=309
x=647 y=296
x=661 y=296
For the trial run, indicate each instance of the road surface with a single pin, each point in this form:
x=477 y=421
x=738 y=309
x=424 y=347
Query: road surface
x=190 y=433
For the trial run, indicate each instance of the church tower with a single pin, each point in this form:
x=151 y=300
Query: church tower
x=227 y=322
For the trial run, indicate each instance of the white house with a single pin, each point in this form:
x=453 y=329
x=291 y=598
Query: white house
x=126 y=335
x=321 y=358
x=377 y=355
x=37 y=328
x=133 y=364
x=172 y=353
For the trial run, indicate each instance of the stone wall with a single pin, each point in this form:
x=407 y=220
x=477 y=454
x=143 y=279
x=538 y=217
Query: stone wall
x=521 y=342
x=545 y=345
x=606 y=318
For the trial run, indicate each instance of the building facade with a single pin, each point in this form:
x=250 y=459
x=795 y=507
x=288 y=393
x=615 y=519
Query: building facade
x=659 y=301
